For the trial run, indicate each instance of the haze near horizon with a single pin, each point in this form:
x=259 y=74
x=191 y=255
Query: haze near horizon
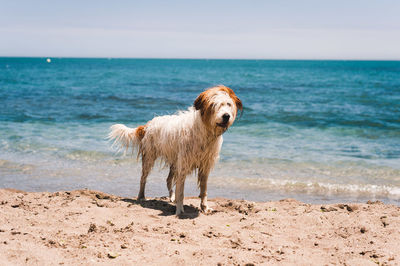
x=362 y=30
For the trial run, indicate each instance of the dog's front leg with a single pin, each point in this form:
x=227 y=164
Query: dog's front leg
x=179 y=195
x=202 y=179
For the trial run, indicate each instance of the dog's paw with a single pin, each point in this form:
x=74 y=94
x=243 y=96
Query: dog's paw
x=207 y=210
x=172 y=197
x=179 y=211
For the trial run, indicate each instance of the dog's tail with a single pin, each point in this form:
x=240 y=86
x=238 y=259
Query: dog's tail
x=125 y=137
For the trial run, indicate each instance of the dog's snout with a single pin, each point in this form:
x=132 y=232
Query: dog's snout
x=225 y=118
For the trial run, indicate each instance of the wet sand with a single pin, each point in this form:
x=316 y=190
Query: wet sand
x=91 y=227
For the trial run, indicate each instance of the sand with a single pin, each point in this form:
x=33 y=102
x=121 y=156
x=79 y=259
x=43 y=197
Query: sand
x=94 y=228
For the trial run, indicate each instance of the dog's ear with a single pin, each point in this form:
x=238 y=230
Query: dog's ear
x=200 y=101
x=238 y=102
x=203 y=102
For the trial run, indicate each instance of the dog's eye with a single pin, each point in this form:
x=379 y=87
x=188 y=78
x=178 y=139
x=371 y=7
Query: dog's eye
x=229 y=104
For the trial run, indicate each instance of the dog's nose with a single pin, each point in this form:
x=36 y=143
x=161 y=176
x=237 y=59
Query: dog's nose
x=225 y=118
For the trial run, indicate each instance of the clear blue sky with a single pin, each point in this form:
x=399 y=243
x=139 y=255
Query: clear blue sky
x=279 y=29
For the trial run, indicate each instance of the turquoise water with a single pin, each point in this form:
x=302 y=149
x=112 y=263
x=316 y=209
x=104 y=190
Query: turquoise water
x=318 y=131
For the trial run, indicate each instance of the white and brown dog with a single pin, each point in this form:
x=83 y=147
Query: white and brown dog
x=188 y=141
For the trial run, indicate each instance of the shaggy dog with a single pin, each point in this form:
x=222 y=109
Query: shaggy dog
x=188 y=141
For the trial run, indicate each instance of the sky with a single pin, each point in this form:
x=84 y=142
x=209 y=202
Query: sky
x=252 y=29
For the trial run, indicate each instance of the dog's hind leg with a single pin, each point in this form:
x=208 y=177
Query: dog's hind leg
x=147 y=163
x=170 y=183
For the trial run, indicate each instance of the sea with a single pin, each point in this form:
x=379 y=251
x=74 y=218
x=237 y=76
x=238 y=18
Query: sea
x=319 y=131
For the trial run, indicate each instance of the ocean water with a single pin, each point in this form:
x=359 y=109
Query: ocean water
x=317 y=131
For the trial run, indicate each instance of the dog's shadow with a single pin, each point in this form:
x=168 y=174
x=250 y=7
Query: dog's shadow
x=166 y=208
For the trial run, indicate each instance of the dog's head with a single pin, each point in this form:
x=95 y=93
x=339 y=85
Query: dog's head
x=218 y=107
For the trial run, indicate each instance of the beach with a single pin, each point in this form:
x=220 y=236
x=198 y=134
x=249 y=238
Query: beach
x=91 y=227
x=284 y=115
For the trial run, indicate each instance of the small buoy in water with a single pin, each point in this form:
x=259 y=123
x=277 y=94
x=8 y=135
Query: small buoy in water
x=48 y=60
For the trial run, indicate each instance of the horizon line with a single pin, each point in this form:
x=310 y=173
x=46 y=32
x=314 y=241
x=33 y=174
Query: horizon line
x=202 y=58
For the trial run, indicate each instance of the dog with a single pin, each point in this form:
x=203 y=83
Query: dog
x=186 y=142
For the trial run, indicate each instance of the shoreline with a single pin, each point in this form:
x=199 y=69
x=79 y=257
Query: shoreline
x=92 y=227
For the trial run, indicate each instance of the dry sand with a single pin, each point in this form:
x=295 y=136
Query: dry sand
x=89 y=227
